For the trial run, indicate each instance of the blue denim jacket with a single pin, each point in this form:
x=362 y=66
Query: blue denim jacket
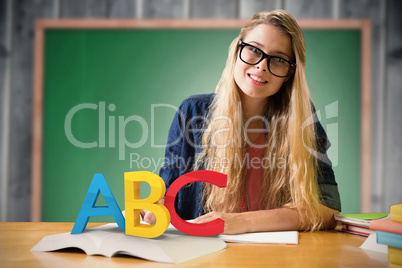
x=184 y=143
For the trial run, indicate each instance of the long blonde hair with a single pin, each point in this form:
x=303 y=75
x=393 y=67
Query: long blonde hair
x=292 y=184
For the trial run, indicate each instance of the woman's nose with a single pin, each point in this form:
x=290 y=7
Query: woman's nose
x=263 y=65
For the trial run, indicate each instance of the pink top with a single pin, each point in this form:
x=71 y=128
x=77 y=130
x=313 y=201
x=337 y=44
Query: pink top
x=255 y=155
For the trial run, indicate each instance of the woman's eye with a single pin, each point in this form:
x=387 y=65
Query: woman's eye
x=279 y=60
x=255 y=50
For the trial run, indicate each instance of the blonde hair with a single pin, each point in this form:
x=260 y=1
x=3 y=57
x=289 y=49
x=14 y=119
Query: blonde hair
x=292 y=185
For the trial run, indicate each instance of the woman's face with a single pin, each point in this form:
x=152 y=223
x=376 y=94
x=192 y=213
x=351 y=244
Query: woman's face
x=256 y=81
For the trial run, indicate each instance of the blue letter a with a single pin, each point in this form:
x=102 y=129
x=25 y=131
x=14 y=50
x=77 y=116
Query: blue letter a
x=88 y=209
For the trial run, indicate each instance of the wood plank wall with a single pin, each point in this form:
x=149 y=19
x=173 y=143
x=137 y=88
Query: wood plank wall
x=16 y=81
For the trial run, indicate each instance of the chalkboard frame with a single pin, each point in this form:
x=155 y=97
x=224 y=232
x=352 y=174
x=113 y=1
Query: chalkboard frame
x=364 y=26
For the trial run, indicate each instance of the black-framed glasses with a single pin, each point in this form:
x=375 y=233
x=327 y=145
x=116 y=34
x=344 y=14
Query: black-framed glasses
x=276 y=65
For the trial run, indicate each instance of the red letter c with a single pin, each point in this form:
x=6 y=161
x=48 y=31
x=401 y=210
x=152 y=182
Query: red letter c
x=214 y=227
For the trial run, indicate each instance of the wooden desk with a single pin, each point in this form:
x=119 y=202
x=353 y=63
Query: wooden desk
x=318 y=249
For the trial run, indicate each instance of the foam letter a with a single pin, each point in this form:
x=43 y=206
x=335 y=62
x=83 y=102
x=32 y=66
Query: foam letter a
x=88 y=209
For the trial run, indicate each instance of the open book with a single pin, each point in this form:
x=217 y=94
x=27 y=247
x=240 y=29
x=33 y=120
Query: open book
x=107 y=240
x=171 y=247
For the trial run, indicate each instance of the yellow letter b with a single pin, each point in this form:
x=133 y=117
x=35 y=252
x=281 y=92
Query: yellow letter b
x=134 y=204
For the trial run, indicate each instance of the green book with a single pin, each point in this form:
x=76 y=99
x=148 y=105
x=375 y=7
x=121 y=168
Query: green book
x=361 y=219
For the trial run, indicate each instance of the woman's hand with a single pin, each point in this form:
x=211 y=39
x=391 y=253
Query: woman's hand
x=281 y=219
x=235 y=223
x=148 y=216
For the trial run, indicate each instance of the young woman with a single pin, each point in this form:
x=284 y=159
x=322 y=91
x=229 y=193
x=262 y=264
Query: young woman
x=259 y=128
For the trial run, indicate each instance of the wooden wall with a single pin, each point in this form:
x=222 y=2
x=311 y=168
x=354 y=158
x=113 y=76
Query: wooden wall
x=16 y=81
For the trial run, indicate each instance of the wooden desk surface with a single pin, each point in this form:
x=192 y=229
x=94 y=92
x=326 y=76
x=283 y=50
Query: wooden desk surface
x=318 y=249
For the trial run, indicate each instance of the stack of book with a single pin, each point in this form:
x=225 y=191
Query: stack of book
x=389 y=232
x=358 y=224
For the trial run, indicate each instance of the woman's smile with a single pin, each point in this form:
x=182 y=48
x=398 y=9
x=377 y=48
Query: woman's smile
x=257 y=80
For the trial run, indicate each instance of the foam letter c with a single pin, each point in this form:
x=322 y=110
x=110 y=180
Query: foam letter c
x=214 y=227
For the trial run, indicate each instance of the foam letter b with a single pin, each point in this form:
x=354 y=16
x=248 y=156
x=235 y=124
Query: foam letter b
x=134 y=204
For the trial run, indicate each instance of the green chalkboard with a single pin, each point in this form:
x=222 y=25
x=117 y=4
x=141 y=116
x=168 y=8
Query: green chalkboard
x=109 y=97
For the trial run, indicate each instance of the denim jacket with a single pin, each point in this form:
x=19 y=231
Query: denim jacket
x=184 y=143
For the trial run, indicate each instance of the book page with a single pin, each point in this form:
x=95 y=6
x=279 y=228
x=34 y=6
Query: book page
x=371 y=244
x=107 y=240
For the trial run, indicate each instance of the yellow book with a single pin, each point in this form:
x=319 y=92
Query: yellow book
x=395 y=255
x=396 y=212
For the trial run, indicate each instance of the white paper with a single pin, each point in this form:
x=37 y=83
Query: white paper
x=288 y=237
x=371 y=244
x=285 y=237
